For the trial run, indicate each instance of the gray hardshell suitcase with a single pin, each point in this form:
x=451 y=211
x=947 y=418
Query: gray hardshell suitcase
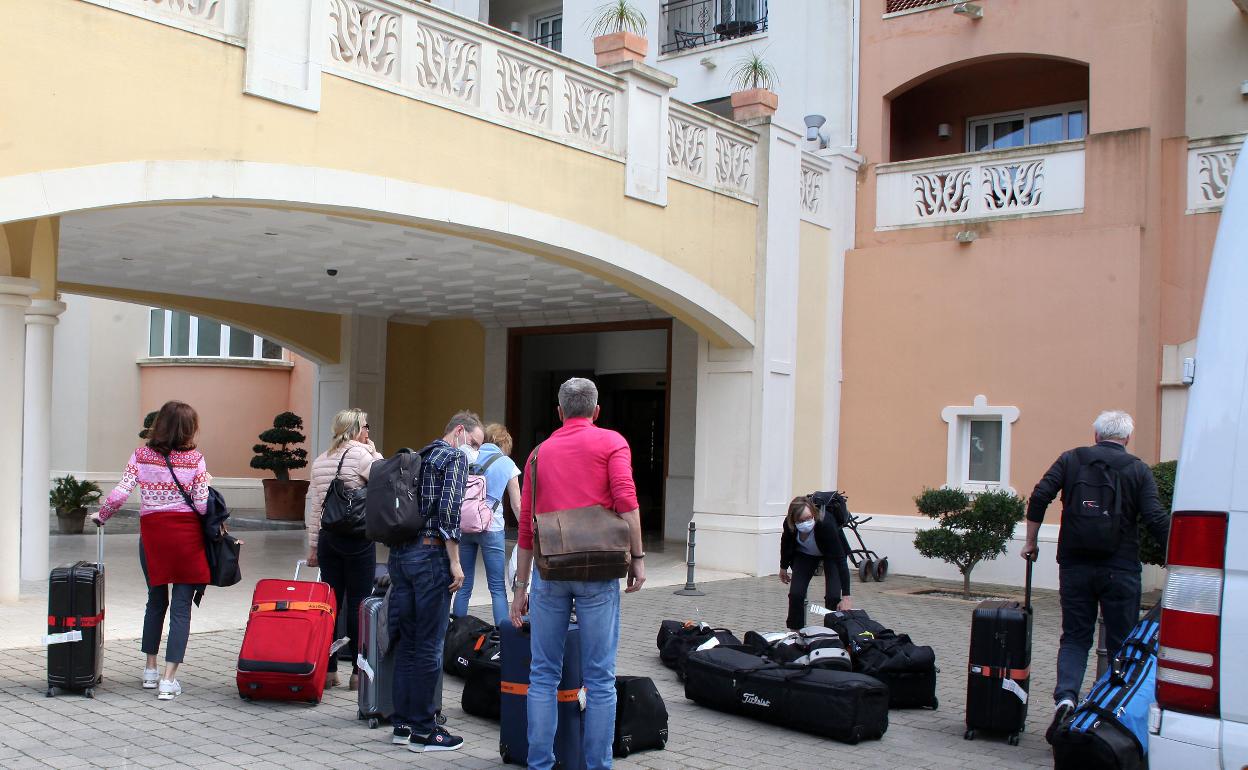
x=376 y=660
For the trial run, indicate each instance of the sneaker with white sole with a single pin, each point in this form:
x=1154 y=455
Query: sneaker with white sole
x=151 y=678
x=169 y=690
x=438 y=740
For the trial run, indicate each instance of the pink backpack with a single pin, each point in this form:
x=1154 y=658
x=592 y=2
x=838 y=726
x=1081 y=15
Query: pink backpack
x=475 y=512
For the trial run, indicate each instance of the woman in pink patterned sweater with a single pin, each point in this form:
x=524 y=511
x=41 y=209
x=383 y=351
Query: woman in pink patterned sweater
x=167 y=471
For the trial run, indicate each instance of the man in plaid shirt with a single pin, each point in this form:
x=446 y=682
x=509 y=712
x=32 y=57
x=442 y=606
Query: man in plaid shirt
x=424 y=573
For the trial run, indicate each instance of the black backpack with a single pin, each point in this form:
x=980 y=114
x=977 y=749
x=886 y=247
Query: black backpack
x=1092 y=510
x=392 y=510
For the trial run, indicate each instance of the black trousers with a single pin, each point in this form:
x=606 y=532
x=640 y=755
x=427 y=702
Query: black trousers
x=803 y=570
x=348 y=565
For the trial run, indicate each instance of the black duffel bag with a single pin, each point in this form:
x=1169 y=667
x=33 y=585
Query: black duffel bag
x=841 y=705
x=908 y=669
x=483 y=682
x=464 y=640
x=689 y=638
x=640 y=716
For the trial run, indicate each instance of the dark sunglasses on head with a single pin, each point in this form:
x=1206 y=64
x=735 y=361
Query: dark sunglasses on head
x=365 y=426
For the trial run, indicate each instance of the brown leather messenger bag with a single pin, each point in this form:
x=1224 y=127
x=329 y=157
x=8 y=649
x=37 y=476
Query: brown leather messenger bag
x=591 y=543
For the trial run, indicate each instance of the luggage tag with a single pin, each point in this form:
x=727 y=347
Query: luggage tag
x=339 y=644
x=362 y=664
x=1012 y=686
x=817 y=609
x=62 y=638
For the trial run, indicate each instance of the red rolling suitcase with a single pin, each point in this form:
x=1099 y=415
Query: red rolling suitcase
x=286 y=646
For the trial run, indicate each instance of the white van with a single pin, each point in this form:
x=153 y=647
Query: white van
x=1200 y=719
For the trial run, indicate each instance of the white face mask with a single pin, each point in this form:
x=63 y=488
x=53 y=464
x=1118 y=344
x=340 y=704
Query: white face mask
x=469 y=452
x=805 y=527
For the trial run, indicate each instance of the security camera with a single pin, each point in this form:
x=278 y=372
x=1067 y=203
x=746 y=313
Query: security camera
x=331 y=272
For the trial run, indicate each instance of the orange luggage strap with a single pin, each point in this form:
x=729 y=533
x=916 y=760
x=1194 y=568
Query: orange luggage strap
x=994 y=672
x=287 y=606
x=515 y=688
x=77 y=621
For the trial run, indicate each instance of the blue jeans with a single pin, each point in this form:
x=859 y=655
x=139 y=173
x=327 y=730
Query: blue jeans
x=154 y=616
x=493 y=553
x=1083 y=589
x=420 y=603
x=597 y=605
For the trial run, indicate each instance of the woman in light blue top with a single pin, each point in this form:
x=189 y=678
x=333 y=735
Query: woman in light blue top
x=501 y=477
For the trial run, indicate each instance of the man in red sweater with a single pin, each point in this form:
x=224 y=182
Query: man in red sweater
x=580 y=465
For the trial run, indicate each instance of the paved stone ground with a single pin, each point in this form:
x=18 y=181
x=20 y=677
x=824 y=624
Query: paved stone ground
x=208 y=726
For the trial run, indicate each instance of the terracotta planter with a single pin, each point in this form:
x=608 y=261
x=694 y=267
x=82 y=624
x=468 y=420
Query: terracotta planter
x=283 y=500
x=620 y=47
x=70 y=522
x=754 y=103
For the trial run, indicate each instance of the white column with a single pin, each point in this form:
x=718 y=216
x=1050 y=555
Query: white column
x=15 y=296
x=41 y=317
x=357 y=380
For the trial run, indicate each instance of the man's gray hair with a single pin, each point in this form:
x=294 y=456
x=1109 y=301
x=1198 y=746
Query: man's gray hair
x=1114 y=425
x=578 y=397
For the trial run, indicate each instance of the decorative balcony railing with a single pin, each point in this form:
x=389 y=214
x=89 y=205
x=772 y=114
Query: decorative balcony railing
x=901 y=6
x=1209 y=165
x=689 y=24
x=1042 y=179
x=706 y=150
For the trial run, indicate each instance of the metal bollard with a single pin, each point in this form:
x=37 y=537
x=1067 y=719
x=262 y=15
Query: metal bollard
x=691 y=588
x=1102 y=654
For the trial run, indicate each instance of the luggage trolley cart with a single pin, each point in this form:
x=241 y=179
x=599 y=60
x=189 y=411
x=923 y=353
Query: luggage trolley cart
x=869 y=564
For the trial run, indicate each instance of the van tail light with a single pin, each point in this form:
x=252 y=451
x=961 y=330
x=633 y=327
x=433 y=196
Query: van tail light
x=1191 y=614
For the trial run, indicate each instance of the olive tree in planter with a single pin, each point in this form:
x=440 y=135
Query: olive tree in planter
x=70 y=498
x=619 y=30
x=283 y=496
x=753 y=78
x=967 y=531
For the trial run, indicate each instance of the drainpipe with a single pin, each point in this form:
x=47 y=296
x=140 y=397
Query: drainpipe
x=853 y=84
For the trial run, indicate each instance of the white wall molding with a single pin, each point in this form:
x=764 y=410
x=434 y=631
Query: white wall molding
x=61 y=191
x=284 y=51
x=1210 y=161
x=959 y=419
x=224 y=20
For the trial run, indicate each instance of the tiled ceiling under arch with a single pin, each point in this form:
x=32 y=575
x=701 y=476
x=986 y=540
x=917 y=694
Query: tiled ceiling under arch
x=279 y=257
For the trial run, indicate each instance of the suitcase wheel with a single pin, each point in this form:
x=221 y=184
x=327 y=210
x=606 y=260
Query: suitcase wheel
x=969 y=735
x=89 y=692
x=51 y=691
x=439 y=718
x=244 y=697
x=373 y=722
x=935 y=703
x=1013 y=740
x=881 y=570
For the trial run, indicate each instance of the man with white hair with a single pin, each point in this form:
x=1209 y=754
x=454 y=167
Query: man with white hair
x=1106 y=494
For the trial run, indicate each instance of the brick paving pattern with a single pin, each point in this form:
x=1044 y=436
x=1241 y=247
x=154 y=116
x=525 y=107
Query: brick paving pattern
x=210 y=727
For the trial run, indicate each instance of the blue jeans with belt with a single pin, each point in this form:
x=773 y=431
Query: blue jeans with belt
x=420 y=603
x=493 y=553
x=597 y=605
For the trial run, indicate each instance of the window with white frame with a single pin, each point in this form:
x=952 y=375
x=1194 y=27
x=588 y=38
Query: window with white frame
x=174 y=334
x=548 y=30
x=978 y=455
x=1039 y=125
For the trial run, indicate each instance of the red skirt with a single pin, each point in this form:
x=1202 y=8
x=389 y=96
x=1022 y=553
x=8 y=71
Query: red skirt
x=173 y=545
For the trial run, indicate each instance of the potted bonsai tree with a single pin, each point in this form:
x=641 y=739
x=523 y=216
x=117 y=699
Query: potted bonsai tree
x=754 y=78
x=619 y=31
x=147 y=425
x=283 y=496
x=967 y=531
x=70 y=498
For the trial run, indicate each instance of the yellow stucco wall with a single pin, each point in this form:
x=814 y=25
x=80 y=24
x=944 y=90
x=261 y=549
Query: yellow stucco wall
x=431 y=372
x=28 y=250
x=115 y=88
x=316 y=335
x=812 y=334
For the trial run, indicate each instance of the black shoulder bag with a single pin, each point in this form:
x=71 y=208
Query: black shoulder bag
x=220 y=547
x=342 y=510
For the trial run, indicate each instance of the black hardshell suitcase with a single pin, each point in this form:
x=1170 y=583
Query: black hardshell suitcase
x=76 y=625
x=640 y=716
x=999 y=674
x=840 y=705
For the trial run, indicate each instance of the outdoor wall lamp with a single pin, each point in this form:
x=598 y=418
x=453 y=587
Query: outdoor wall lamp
x=708 y=62
x=813 y=134
x=966 y=236
x=944 y=130
x=969 y=10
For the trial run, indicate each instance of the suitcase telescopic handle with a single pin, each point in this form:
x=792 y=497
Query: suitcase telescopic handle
x=1027 y=589
x=299 y=565
x=99 y=547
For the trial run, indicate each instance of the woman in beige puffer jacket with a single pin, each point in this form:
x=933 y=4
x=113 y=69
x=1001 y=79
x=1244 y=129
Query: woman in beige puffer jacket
x=347 y=562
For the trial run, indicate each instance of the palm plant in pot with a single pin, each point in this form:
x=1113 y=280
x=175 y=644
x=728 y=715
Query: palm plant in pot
x=753 y=77
x=619 y=30
x=70 y=497
x=283 y=496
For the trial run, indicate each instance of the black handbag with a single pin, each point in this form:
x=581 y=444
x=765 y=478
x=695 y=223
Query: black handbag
x=221 y=549
x=342 y=511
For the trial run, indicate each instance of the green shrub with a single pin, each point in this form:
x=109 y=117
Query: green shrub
x=147 y=425
x=969 y=531
x=280 y=458
x=1152 y=552
x=70 y=494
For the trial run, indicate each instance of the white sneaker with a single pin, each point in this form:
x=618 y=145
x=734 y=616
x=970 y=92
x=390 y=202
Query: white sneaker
x=151 y=678
x=169 y=690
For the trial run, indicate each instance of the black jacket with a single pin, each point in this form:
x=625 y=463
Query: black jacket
x=1139 y=503
x=831 y=542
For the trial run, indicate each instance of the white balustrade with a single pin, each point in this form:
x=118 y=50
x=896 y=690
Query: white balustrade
x=813 y=189
x=709 y=151
x=1025 y=181
x=1209 y=165
x=224 y=20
